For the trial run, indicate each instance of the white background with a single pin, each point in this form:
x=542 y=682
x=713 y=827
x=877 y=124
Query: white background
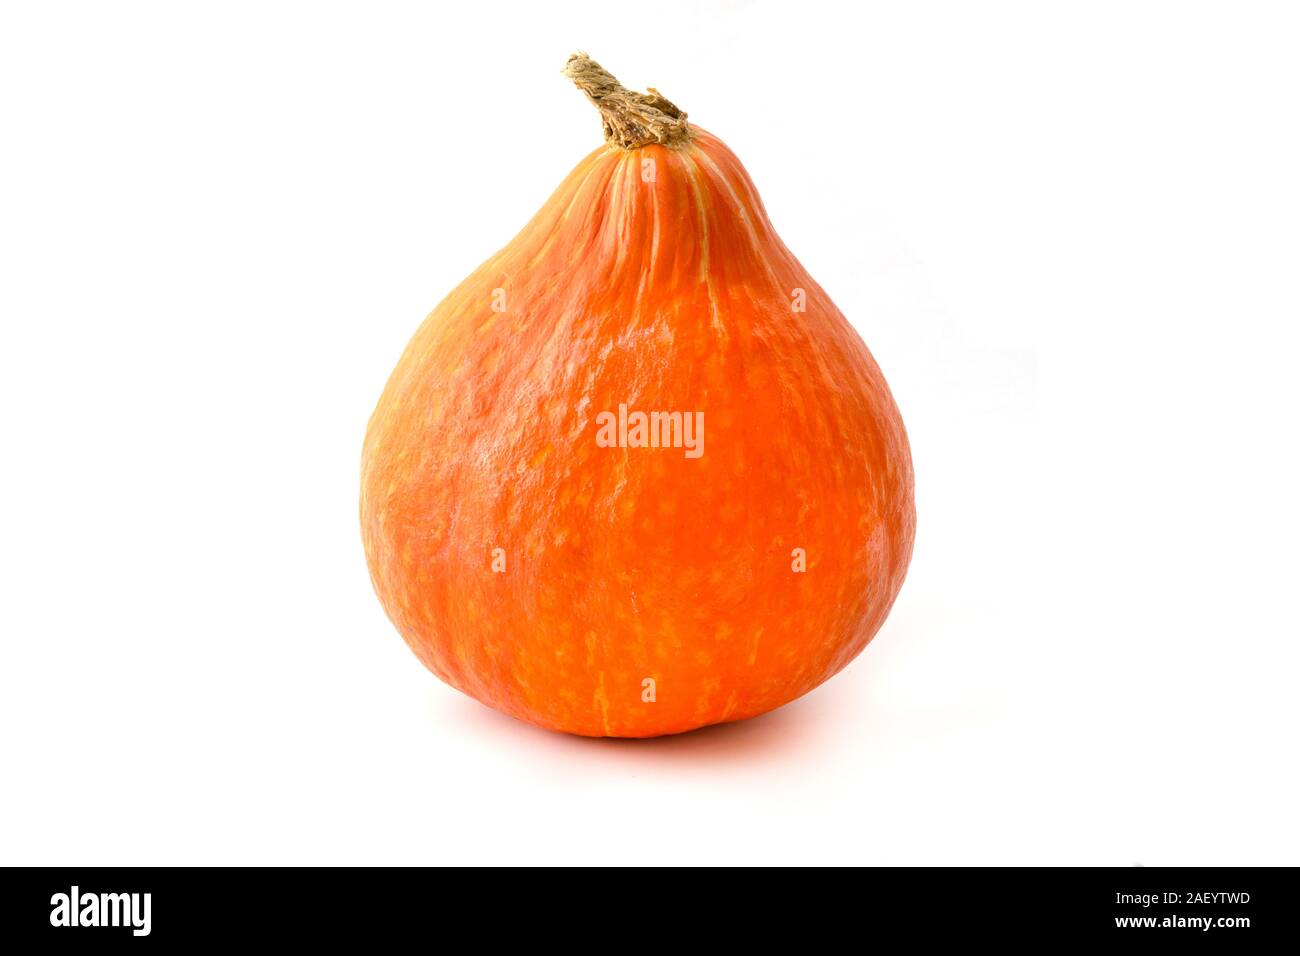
x=1070 y=233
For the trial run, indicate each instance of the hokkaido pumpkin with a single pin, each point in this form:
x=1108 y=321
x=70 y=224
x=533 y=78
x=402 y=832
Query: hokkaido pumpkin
x=637 y=474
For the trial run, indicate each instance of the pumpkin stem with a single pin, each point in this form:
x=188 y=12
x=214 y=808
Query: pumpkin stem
x=631 y=119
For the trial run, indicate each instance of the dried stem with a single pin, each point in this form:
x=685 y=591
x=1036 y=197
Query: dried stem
x=631 y=119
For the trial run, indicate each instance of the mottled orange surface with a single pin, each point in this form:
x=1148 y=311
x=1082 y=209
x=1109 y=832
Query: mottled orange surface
x=624 y=565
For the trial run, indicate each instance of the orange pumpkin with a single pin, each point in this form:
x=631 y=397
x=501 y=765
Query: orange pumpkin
x=637 y=474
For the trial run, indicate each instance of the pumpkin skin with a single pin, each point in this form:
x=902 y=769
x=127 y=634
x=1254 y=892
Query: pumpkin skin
x=624 y=565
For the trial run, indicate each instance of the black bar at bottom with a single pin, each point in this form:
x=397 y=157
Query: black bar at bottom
x=377 y=906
